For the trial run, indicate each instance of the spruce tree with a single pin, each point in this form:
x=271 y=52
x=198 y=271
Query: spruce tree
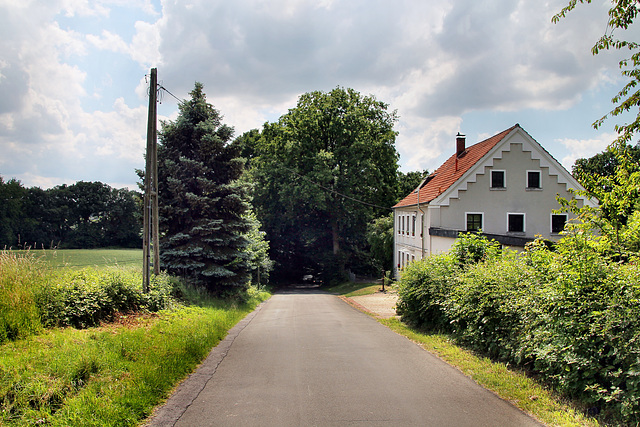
x=202 y=202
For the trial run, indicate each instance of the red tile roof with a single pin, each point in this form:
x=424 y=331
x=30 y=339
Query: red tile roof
x=452 y=170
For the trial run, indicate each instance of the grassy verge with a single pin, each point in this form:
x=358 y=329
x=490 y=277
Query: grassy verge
x=511 y=385
x=110 y=375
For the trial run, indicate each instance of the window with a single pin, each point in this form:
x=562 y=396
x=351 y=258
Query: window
x=533 y=179
x=497 y=179
x=474 y=221
x=413 y=226
x=402 y=228
x=515 y=223
x=557 y=223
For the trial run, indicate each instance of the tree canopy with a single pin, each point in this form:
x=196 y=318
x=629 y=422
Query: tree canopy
x=322 y=172
x=202 y=202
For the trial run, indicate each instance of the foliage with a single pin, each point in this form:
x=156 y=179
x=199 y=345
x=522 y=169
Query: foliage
x=380 y=239
x=602 y=164
x=567 y=314
x=81 y=215
x=258 y=252
x=621 y=16
x=616 y=216
x=84 y=298
x=424 y=289
x=202 y=201
x=11 y=197
x=471 y=248
x=323 y=171
x=408 y=182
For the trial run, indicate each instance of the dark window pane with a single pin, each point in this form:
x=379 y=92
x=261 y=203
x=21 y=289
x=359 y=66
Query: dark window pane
x=533 y=179
x=557 y=223
x=497 y=179
x=516 y=223
x=474 y=222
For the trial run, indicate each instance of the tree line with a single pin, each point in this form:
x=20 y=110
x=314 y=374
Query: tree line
x=81 y=215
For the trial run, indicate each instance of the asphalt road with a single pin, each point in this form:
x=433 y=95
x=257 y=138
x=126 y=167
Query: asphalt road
x=306 y=358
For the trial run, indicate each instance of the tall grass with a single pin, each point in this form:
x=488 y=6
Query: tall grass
x=110 y=375
x=20 y=277
x=33 y=296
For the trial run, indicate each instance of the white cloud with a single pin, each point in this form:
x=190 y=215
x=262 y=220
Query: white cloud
x=584 y=148
x=433 y=61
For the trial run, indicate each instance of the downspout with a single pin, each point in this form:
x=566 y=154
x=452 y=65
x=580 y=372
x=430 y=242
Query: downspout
x=421 y=224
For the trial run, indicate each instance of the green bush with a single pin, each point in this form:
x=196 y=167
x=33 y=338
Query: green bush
x=87 y=297
x=569 y=315
x=423 y=290
x=492 y=305
x=471 y=248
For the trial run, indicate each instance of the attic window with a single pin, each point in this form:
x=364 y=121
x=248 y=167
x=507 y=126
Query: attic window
x=534 y=180
x=497 y=179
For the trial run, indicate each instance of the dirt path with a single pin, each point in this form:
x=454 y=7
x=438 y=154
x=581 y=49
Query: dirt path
x=381 y=304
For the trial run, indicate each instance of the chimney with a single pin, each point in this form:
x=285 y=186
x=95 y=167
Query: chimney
x=460 y=144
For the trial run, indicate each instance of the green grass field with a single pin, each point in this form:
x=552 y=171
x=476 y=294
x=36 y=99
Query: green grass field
x=81 y=258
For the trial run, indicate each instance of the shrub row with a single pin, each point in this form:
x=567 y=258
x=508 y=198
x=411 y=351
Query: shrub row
x=569 y=315
x=87 y=297
x=33 y=297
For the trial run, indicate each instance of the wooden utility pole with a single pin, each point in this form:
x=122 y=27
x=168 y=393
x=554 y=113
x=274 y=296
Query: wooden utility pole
x=150 y=238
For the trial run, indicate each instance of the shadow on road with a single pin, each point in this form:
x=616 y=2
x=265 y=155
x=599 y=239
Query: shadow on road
x=301 y=288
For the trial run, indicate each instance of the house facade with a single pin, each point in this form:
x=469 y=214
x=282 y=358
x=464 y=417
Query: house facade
x=505 y=186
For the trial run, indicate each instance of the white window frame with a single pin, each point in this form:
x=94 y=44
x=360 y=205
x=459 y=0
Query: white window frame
x=504 y=179
x=524 y=222
x=466 y=222
x=566 y=219
x=413 y=225
x=539 y=172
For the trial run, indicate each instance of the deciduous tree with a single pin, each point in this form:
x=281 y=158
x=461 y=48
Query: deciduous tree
x=323 y=171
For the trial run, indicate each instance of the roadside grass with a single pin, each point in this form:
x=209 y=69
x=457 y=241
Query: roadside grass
x=511 y=385
x=113 y=375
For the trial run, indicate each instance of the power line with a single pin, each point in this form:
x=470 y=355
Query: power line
x=167 y=90
x=337 y=192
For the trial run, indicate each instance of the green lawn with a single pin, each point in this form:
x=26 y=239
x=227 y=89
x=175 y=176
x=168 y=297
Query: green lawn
x=80 y=258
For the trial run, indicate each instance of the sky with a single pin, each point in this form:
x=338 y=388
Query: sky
x=73 y=74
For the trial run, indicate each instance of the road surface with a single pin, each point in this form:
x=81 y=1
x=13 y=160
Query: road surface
x=307 y=358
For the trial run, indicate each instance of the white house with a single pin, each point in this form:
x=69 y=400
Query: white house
x=505 y=186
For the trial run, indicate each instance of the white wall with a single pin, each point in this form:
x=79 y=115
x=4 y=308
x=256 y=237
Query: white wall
x=537 y=205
